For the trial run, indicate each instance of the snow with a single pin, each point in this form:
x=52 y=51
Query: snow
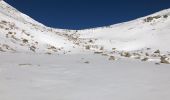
x=67 y=77
x=36 y=34
x=8 y=10
x=133 y=35
x=117 y=62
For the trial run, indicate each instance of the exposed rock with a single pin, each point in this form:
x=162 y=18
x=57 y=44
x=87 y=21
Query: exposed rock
x=113 y=49
x=149 y=19
x=126 y=54
x=138 y=57
x=102 y=48
x=148 y=48
x=98 y=52
x=25 y=41
x=104 y=54
x=145 y=59
x=91 y=41
x=165 y=60
x=7 y=47
x=32 y=48
x=86 y=62
x=157 y=51
x=4 y=22
x=136 y=54
x=165 y=16
x=112 y=58
x=147 y=54
x=87 y=47
x=49 y=53
x=157 y=63
x=1 y=50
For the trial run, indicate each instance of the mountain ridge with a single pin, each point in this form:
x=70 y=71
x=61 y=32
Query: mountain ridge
x=134 y=39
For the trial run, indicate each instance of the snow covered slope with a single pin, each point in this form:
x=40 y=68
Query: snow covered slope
x=20 y=33
x=8 y=10
x=152 y=31
x=28 y=73
x=145 y=38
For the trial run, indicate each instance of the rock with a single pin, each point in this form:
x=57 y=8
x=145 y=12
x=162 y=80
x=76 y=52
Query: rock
x=104 y=54
x=86 y=62
x=148 y=48
x=157 y=63
x=112 y=58
x=165 y=60
x=138 y=57
x=126 y=54
x=145 y=59
x=91 y=41
x=149 y=19
x=113 y=49
x=98 y=52
x=165 y=16
x=157 y=51
x=136 y=54
x=153 y=55
x=146 y=54
x=32 y=48
x=49 y=53
x=87 y=47
x=1 y=50
x=102 y=48
x=25 y=41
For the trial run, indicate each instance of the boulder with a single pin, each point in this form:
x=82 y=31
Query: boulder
x=165 y=60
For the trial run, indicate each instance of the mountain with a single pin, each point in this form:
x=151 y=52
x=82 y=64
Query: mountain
x=126 y=61
x=146 y=38
x=152 y=31
x=20 y=33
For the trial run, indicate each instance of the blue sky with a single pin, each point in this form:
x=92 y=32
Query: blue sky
x=81 y=14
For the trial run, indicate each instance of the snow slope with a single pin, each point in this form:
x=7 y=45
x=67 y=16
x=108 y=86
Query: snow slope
x=134 y=35
x=20 y=33
x=42 y=63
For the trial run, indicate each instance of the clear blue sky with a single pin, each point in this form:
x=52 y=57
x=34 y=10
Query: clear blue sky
x=80 y=14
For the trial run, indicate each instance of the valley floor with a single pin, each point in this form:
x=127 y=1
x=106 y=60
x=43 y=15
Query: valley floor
x=81 y=77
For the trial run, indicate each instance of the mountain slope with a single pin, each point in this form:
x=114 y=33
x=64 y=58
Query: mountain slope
x=145 y=38
x=28 y=72
x=20 y=33
x=152 y=31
